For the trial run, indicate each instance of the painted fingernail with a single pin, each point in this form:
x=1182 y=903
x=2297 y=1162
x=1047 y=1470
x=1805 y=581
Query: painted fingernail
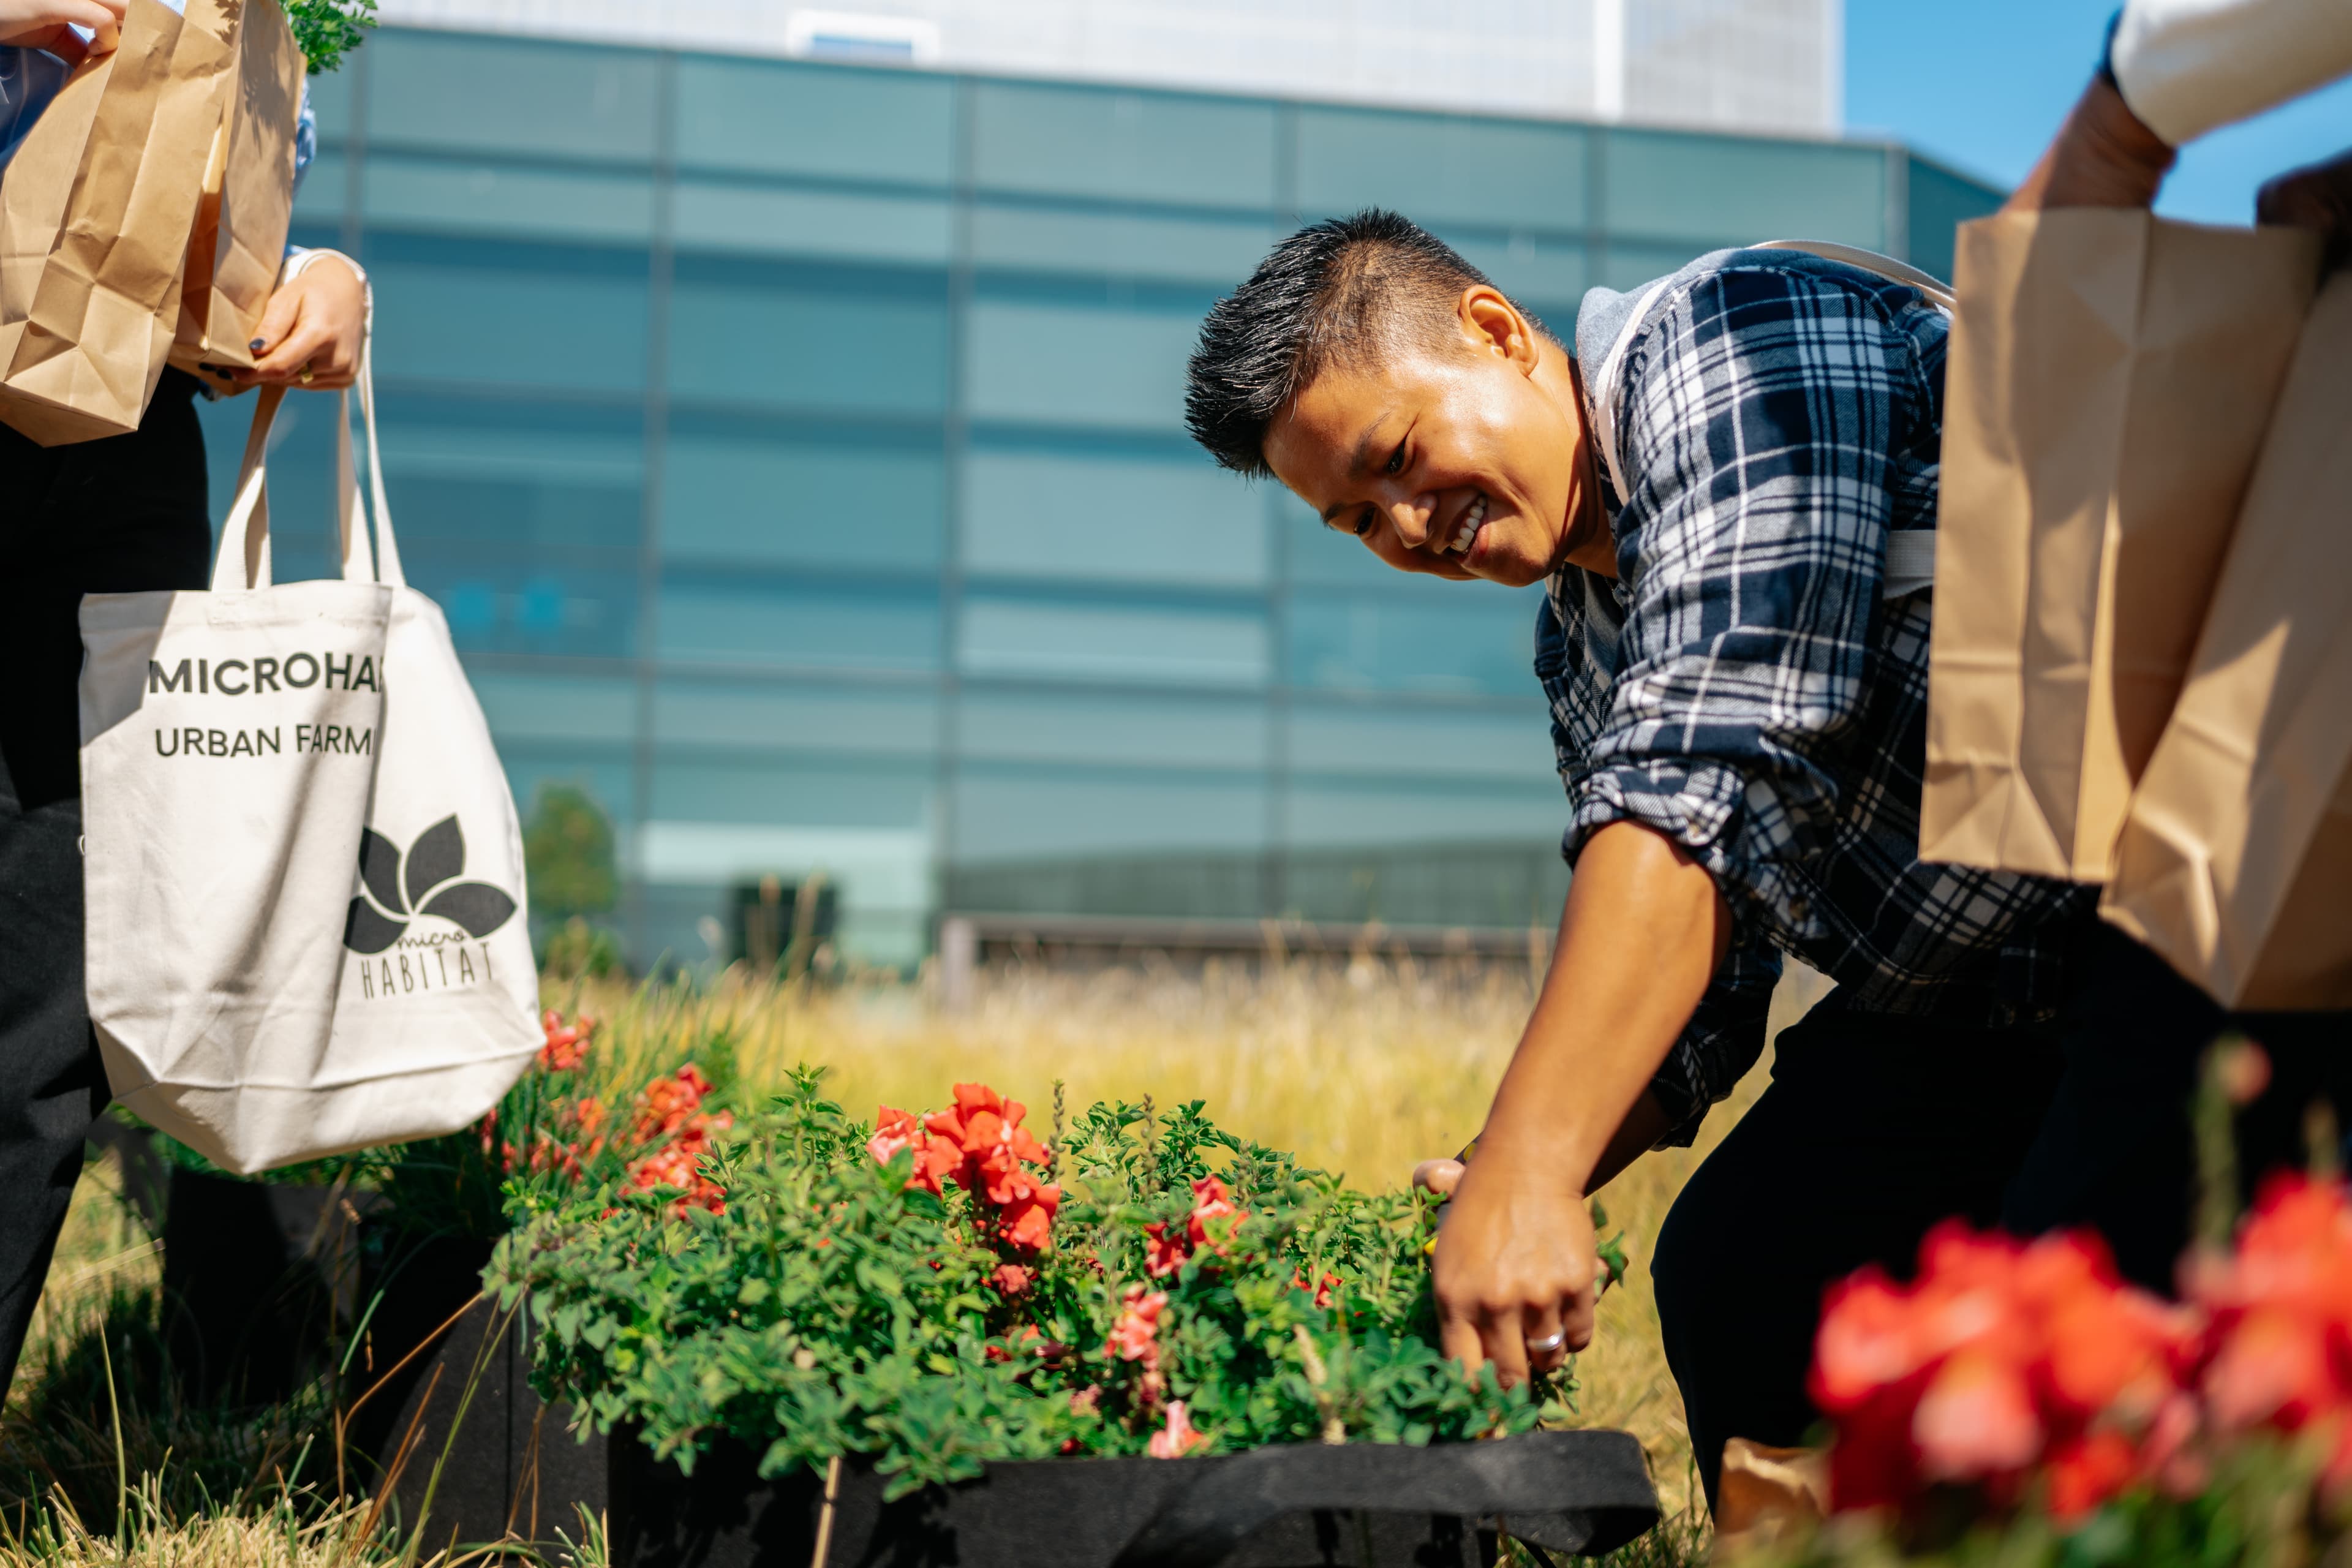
x=257 y=344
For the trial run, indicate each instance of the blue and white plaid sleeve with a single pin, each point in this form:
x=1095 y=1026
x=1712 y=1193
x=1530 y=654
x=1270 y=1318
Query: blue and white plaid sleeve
x=1721 y=1042
x=1763 y=404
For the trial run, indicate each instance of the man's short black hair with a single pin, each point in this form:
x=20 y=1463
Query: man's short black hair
x=1337 y=292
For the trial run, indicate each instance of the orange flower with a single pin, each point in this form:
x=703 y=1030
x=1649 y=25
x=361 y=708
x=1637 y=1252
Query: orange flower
x=668 y=1102
x=897 y=1130
x=1976 y=1419
x=2088 y=1471
x=1029 y=1222
x=1011 y=1278
x=1179 y=1437
x=1211 y=1201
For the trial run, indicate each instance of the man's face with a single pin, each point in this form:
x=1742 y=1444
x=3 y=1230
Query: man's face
x=1463 y=463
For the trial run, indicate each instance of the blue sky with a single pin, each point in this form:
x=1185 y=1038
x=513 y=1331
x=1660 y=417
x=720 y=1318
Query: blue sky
x=1981 y=85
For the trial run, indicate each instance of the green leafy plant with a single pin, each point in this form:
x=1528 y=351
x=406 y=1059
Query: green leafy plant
x=943 y=1290
x=326 y=30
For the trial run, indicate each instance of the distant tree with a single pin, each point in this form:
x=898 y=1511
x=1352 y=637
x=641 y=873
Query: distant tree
x=567 y=849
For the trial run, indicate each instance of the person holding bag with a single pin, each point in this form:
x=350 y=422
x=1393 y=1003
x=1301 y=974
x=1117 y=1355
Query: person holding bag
x=125 y=513
x=2117 y=1152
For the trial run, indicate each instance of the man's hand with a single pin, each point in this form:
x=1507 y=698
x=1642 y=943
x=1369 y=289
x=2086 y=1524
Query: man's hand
x=311 y=335
x=1642 y=932
x=43 y=24
x=2318 y=196
x=2102 y=157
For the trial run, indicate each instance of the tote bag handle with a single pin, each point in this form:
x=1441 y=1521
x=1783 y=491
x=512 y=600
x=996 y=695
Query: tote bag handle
x=243 y=560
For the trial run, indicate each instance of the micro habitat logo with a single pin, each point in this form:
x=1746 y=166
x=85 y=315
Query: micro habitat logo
x=417 y=926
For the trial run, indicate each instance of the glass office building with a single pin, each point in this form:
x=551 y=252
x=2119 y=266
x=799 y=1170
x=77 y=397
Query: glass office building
x=796 y=450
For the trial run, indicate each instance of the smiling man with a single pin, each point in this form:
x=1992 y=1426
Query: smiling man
x=1724 y=492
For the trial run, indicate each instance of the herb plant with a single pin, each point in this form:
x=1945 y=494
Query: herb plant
x=938 y=1291
x=326 y=30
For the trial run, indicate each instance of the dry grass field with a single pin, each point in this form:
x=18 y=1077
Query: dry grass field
x=1362 y=1066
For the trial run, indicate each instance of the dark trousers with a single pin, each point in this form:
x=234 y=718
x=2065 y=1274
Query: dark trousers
x=1876 y=1127
x=122 y=514
x=1873 y=1128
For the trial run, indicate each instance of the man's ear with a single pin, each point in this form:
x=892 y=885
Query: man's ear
x=1491 y=324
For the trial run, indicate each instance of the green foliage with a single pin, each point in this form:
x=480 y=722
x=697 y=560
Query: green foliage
x=326 y=30
x=831 y=1308
x=567 y=849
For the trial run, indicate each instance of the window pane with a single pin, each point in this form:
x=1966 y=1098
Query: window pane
x=1429 y=741
x=1075 y=642
x=484 y=198
x=493 y=95
x=801 y=626
x=762 y=337
x=1483 y=641
x=539 y=708
x=1216 y=252
x=1076 y=364
x=1436 y=169
x=544 y=606
x=1666 y=185
x=302 y=527
x=516 y=478
x=765 y=117
x=324 y=192
x=509 y=315
x=849 y=502
x=1510 y=884
x=739 y=716
x=606 y=772
x=747 y=220
x=1940 y=201
x=1138 y=520
x=1545 y=275
x=1631 y=266
x=1387 y=815
x=330 y=98
x=1139 y=730
x=1314 y=554
x=1126 y=146
x=1005 y=813
x=824 y=794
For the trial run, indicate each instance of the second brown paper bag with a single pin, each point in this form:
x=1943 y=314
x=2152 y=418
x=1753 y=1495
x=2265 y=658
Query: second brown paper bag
x=239 y=239
x=2110 y=378
x=2236 y=861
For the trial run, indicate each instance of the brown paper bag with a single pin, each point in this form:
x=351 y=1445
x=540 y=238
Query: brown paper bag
x=95 y=214
x=2235 y=862
x=247 y=201
x=2110 y=378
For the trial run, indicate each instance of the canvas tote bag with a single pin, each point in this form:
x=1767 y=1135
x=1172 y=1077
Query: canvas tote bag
x=247 y=201
x=303 y=866
x=2110 y=378
x=95 y=215
x=2236 y=861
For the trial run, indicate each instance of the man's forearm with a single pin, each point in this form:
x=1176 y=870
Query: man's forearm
x=1642 y=932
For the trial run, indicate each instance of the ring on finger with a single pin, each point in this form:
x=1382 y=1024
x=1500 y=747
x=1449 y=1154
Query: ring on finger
x=1548 y=1343
x=306 y=375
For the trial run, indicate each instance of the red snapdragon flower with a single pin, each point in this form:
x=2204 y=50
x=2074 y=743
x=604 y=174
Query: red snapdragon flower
x=2002 y=1353
x=2281 y=1313
x=1179 y=1437
x=894 y=1130
x=567 y=1043
x=1135 y=1336
x=1211 y=1201
x=668 y=1103
x=1165 y=1254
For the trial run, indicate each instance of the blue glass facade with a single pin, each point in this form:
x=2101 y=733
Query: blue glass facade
x=797 y=452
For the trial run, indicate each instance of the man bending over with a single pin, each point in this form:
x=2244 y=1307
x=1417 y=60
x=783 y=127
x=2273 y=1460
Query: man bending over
x=1737 y=682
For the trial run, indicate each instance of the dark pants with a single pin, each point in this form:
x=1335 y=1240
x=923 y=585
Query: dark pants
x=1873 y=1128
x=1876 y=1127
x=117 y=515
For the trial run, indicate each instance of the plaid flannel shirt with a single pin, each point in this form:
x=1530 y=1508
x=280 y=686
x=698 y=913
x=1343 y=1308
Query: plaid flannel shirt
x=1743 y=686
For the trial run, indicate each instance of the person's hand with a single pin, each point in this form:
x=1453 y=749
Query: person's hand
x=2103 y=156
x=43 y=24
x=2318 y=196
x=1438 y=1176
x=1517 y=1264
x=311 y=333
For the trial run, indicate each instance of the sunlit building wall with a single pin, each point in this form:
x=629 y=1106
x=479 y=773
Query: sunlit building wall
x=796 y=450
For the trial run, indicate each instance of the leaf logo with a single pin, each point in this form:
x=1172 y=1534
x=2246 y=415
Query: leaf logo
x=397 y=889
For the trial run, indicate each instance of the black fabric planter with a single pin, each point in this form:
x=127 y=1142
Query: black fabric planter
x=1358 y=1506
x=258 y=1277
x=506 y=1460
